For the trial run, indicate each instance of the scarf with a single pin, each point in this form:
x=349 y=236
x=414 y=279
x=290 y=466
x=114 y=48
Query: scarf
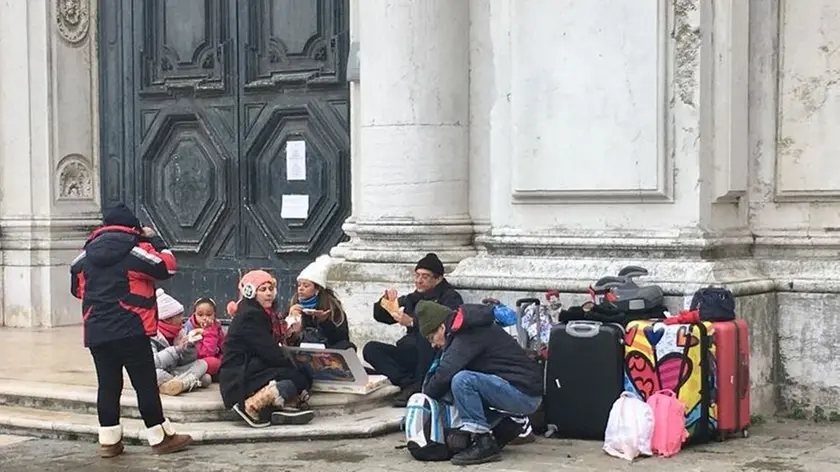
x=278 y=327
x=310 y=303
x=169 y=331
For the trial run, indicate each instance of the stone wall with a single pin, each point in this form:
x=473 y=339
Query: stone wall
x=48 y=155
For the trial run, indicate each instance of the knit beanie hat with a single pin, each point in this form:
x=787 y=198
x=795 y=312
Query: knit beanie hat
x=120 y=215
x=167 y=306
x=248 y=286
x=430 y=316
x=432 y=263
x=316 y=272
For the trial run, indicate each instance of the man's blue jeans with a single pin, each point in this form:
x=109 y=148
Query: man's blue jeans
x=474 y=393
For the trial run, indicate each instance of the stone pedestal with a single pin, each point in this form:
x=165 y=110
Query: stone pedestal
x=411 y=135
x=48 y=156
x=795 y=192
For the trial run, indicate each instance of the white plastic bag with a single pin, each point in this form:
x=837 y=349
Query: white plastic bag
x=629 y=429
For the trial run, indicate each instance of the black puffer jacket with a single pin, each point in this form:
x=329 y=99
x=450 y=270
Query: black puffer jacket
x=444 y=293
x=252 y=357
x=475 y=342
x=115 y=279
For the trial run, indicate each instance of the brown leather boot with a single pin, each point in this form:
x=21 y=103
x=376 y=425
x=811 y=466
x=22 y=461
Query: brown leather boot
x=110 y=441
x=164 y=440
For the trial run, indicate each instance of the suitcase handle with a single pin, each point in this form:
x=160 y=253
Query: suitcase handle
x=527 y=301
x=583 y=328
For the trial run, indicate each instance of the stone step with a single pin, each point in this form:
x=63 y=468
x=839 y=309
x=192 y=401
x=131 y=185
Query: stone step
x=77 y=426
x=203 y=405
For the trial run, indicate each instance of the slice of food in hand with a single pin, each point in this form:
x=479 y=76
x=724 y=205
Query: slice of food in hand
x=391 y=306
x=195 y=335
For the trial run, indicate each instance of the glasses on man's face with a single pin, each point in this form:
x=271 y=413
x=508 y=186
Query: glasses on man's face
x=423 y=277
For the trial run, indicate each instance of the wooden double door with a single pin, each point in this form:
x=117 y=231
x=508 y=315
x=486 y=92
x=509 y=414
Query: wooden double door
x=225 y=125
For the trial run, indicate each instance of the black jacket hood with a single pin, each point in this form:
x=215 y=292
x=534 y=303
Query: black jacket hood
x=109 y=245
x=468 y=317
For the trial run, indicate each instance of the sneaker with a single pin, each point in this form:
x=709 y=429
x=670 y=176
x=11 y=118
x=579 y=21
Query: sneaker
x=172 y=443
x=287 y=416
x=299 y=403
x=206 y=380
x=252 y=422
x=111 y=450
x=458 y=440
x=190 y=382
x=483 y=449
x=520 y=440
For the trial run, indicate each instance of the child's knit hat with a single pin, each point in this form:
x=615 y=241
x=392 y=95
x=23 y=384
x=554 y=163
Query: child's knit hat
x=248 y=287
x=168 y=307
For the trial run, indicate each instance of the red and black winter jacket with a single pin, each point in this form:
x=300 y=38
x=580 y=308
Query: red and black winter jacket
x=115 y=279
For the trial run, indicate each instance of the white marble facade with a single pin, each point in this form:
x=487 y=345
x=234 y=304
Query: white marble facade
x=49 y=194
x=532 y=144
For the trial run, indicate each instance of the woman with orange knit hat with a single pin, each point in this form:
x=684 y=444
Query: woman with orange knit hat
x=258 y=379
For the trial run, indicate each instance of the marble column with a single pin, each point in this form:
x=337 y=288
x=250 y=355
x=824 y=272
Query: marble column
x=413 y=137
x=411 y=152
x=48 y=155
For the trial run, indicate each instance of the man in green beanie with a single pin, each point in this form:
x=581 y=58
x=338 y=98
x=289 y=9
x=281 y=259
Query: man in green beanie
x=483 y=368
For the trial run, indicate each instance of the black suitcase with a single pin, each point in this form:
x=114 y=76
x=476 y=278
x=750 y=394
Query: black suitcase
x=584 y=376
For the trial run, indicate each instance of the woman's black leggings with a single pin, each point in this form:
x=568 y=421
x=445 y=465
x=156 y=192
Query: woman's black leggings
x=135 y=354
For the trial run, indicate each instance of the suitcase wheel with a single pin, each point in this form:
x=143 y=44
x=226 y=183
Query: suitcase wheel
x=745 y=433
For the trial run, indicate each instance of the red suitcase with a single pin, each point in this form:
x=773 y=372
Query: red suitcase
x=732 y=356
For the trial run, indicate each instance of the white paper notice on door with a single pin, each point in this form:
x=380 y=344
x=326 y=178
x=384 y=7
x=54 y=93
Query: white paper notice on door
x=294 y=207
x=296 y=160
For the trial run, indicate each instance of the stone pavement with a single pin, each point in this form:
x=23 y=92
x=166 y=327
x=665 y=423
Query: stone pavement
x=776 y=446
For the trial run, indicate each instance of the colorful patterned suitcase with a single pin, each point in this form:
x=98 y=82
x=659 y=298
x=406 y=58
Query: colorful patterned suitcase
x=732 y=355
x=679 y=357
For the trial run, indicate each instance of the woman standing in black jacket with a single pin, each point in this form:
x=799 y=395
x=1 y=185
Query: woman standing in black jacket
x=257 y=375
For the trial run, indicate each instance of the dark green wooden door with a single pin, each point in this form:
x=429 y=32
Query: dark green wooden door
x=200 y=100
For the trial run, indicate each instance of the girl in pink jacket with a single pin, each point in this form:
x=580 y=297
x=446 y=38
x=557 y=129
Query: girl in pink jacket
x=210 y=346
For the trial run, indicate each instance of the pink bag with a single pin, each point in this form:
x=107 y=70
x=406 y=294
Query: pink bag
x=669 y=431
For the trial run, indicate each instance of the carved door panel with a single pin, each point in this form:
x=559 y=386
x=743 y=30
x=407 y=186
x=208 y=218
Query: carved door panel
x=199 y=99
x=185 y=137
x=294 y=97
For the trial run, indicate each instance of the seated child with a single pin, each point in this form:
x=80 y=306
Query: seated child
x=209 y=348
x=318 y=311
x=258 y=379
x=178 y=371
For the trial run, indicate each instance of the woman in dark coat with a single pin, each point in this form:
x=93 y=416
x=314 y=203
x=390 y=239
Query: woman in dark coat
x=258 y=375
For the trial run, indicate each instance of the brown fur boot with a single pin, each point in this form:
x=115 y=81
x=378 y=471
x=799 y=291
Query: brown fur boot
x=263 y=398
x=110 y=441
